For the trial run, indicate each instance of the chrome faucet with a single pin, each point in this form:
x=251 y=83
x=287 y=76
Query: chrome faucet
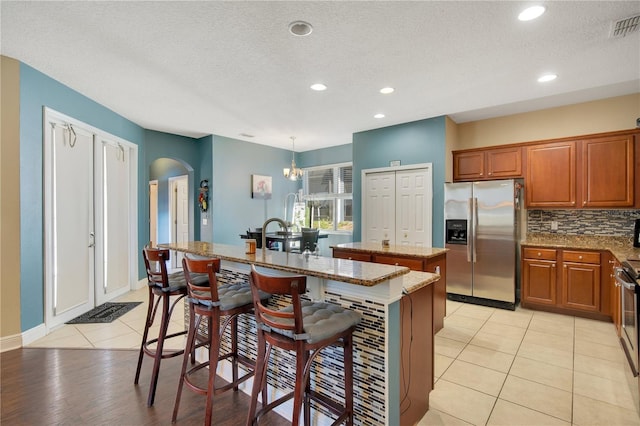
x=282 y=223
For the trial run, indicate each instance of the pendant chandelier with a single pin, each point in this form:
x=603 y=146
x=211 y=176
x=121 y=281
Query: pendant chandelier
x=293 y=173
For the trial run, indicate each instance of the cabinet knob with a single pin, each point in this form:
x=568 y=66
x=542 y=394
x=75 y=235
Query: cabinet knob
x=553 y=265
x=612 y=262
x=350 y=259
x=565 y=266
x=490 y=173
x=539 y=254
x=580 y=257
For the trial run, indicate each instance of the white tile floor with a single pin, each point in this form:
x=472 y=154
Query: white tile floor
x=497 y=367
x=492 y=367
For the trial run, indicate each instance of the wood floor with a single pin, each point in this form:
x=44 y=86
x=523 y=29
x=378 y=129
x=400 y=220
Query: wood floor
x=95 y=387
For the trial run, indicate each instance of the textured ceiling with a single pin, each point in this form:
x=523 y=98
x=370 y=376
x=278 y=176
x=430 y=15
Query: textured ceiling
x=232 y=68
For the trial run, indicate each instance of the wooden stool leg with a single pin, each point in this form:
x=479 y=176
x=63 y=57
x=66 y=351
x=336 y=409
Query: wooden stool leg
x=348 y=377
x=214 y=351
x=188 y=351
x=164 y=326
x=300 y=385
x=259 y=379
x=145 y=334
x=234 y=350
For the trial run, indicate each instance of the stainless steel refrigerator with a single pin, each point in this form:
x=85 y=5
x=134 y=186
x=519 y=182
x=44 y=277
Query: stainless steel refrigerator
x=482 y=235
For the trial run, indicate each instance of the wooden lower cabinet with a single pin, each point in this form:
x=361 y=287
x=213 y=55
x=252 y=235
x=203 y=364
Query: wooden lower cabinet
x=615 y=292
x=539 y=282
x=434 y=264
x=351 y=255
x=566 y=281
x=581 y=280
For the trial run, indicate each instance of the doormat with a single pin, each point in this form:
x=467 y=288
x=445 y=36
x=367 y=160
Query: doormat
x=106 y=312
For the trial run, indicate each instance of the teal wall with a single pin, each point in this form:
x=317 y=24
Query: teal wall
x=232 y=208
x=37 y=91
x=323 y=156
x=206 y=172
x=182 y=150
x=412 y=143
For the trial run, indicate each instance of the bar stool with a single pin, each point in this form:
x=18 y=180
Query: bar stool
x=305 y=328
x=162 y=286
x=215 y=302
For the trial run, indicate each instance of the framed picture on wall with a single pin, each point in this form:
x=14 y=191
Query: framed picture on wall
x=261 y=187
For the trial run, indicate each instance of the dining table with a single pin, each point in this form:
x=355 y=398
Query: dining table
x=281 y=238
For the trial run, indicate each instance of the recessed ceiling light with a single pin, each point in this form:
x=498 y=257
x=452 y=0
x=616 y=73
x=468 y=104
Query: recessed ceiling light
x=531 y=13
x=386 y=90
x=547 y=77
x=378 y=116
x=318 y=87
x=300 y=28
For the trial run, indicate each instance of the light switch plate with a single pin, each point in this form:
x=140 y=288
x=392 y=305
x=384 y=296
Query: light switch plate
x=204 y=220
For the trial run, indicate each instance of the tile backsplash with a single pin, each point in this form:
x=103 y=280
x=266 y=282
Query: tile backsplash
x=583 y=222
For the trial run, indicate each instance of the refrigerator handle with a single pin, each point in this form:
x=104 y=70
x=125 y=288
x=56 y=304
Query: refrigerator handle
x=475 y=228
x=469 y=227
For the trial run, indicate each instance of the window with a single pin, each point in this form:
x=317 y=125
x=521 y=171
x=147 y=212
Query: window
x=328 y=197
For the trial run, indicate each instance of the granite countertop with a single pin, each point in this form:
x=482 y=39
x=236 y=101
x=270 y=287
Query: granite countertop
x=415 y=280
x=348 y=271
x=621 y=247
x=424 y=252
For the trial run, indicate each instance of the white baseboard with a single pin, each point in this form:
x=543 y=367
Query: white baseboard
x=9 y=343
x=33 y=334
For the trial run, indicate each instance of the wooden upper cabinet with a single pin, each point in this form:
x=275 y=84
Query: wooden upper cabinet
x=608 y=172
x=495 y=163
x=468 y=165
x=505 y=162
x=551 y=175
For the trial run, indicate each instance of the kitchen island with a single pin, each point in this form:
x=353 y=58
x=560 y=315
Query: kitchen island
x=416 y=258
x=374 y=290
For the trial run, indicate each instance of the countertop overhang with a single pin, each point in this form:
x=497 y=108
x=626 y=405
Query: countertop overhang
x=348 y=271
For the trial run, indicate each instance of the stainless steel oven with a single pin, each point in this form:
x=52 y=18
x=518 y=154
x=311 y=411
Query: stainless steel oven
x=627 y=279
x=629 y=308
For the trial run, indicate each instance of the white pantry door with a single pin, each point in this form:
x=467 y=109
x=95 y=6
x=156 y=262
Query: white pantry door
x=69 y=236
x=397 y=205
x=380 y=207
x=413 y=207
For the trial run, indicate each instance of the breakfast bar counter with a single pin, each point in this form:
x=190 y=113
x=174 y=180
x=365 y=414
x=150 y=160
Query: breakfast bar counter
x=389 y=297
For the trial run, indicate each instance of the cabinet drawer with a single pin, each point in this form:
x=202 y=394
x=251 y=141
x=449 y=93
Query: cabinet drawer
x=539 y=253
x=352 y=255
x=581 y=256
x=414 y=264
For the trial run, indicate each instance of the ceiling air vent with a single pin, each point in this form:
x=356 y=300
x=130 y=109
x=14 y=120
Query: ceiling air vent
x=622 y=27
